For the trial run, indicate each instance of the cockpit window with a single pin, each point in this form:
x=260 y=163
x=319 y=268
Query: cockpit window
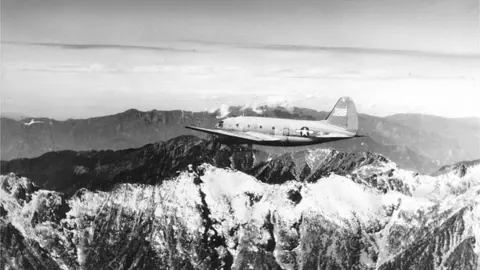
x=220 y=124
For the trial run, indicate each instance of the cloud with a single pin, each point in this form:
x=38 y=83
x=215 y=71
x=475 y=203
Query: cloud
x=270 y=102
x=224 y=111
x=96 y=67
x=279 y=101
x=254 y=107
x=263 y=79
x=337 y=49
x=99 y=46
x=66 y=68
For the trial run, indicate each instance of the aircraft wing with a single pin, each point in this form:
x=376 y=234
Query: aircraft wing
x=250 y=136
x=332 y=135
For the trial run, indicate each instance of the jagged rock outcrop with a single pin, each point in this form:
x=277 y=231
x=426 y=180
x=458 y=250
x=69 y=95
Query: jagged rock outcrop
x=311 y=165
x=207 y=217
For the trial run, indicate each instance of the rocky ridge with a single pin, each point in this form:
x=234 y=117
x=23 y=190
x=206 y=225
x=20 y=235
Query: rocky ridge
x=319 y=209
x=67 y=171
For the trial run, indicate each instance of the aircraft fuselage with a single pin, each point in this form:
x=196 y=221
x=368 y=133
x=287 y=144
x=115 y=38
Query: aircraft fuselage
x=289 y=132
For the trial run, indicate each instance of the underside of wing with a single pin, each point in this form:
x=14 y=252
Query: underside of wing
x=331 y=135
x=249 y=136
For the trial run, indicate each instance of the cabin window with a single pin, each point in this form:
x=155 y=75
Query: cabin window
x=273 y=128
x=248 y=125
x=237 y=125
x=260 y=126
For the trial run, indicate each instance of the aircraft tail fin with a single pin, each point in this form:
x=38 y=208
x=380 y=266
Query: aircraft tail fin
x=344 y=115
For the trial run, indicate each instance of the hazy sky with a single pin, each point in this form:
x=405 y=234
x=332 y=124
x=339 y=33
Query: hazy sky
x=390 y=56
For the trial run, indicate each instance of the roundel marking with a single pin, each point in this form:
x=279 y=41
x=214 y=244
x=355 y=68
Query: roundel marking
x=304 y=132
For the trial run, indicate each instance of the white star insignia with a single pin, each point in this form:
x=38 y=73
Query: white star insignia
x=304 y=132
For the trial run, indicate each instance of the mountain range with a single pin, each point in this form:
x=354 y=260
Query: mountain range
x=191 y=203
x=418 y=142
x=68 y=171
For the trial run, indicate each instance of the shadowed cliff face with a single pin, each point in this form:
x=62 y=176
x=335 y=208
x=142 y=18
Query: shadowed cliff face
x=368 y=214
x=67 y=171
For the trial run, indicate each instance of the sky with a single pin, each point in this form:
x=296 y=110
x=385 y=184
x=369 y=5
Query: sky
x=77 y=59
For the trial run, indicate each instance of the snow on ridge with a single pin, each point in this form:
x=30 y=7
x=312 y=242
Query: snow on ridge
x=315 y=155
x=339 y=198
x=449 y=184
x=336 y=197
x=236 y=200
x=424 y=186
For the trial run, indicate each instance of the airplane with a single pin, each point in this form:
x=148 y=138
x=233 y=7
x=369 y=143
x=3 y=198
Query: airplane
x=340 y=124
x=32 y=122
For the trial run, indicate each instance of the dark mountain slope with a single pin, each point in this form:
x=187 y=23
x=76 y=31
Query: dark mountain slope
x=67 y=171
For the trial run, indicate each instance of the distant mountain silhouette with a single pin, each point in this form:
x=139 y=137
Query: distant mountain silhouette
x=129 y=129
x=449 y=140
